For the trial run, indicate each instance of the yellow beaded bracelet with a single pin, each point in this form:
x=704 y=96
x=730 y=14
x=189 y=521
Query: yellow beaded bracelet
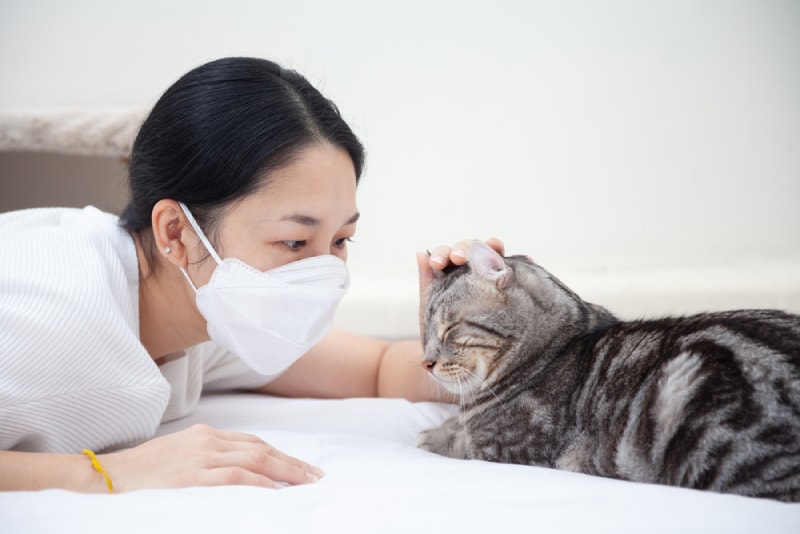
x=99 y=469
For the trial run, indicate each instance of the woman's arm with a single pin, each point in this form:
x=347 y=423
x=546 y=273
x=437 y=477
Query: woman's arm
x=345 y=365
x=198 y=456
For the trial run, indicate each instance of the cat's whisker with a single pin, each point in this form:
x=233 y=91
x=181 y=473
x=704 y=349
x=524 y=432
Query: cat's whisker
x=466 y=394
x=467 y=398
x=460 y=400
x=462 y=391
x=487 y=387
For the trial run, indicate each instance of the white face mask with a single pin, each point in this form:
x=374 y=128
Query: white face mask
x=269 y=318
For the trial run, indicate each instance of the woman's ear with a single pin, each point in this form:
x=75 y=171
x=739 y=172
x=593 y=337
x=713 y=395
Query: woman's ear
x=489 y=264
x=168 y=226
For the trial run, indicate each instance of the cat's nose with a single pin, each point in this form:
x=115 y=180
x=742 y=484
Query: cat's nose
x=428 y=365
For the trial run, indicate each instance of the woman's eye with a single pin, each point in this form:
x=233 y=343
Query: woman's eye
x=295 y=245
x=342 y=241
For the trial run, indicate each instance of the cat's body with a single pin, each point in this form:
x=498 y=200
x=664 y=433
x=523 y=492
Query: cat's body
x=710 y=401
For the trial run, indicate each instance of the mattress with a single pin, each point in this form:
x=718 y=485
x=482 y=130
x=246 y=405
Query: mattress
x=378 y=481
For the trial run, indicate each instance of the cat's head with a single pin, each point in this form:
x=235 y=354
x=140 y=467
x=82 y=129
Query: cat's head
x=495 y=314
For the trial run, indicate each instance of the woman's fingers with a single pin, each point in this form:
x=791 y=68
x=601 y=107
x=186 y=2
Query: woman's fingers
x=497 y=244
x=442 y=255
x=271 y=463
x=236 y=476
x=202 y=455
x=256 y=455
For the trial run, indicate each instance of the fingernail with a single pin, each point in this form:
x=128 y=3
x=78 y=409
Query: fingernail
x=317 y=471
x=460 y=253
x=437 y=259
x=312 y=477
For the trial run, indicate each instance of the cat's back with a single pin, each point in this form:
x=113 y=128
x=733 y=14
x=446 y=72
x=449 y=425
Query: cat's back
x=740 y=336
x=709 y=401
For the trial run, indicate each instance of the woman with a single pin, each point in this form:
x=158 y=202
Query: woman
x=224 y=269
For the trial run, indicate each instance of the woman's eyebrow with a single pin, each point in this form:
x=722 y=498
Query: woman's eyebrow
x=307 y=220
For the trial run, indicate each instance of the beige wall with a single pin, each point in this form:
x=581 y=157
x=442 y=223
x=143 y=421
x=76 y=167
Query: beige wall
x=32 y=179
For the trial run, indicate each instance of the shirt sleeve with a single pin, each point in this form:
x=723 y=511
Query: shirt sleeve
x=224 y=371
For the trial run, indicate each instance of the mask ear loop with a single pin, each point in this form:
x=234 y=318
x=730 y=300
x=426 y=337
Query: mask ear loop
x=203 y=239
x=200 y=233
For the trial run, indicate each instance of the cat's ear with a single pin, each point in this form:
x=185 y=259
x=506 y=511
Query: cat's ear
x=489 y=264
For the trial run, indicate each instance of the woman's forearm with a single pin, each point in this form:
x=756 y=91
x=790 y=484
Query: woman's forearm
x=30 y=471
x=401 y=375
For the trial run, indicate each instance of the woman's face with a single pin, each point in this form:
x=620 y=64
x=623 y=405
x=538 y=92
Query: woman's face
x=307 y=208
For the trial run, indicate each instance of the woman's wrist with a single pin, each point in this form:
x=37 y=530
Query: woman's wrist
x=33 y=471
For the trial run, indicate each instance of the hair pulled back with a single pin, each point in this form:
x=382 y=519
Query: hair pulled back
x=218 y=131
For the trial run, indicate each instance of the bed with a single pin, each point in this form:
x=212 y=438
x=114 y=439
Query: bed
x=378 y=482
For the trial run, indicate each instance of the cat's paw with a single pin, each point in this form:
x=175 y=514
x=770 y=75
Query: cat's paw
x=435 y=440
x=424 y=440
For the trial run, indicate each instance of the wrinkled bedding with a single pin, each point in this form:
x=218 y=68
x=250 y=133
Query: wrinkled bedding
x=379 y=482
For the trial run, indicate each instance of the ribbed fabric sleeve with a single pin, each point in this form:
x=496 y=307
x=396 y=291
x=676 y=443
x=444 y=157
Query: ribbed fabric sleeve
x=73 y=373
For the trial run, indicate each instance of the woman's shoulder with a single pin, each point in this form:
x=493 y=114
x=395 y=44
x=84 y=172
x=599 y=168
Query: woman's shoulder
x=67 y=266
x=63 y=239
x=85 y=221
x=50 y=217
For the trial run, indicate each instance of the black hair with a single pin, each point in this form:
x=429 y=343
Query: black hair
x=216 y=133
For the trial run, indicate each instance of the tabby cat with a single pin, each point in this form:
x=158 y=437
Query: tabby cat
x=710 y=401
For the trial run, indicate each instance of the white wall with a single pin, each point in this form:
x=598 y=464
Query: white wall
x=592 y=135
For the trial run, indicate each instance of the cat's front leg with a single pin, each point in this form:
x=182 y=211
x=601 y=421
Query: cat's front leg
x=449 y=439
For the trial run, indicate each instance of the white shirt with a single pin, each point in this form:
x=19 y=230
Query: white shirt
x=73 y=372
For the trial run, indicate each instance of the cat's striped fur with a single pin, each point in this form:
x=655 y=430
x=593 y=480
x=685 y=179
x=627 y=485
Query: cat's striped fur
x=710 y=401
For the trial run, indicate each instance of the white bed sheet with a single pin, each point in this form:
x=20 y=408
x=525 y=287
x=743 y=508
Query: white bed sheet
x=379 y=482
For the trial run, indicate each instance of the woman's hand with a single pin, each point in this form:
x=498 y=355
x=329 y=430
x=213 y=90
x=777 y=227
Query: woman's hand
x=442 y=256
x=205 y=456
